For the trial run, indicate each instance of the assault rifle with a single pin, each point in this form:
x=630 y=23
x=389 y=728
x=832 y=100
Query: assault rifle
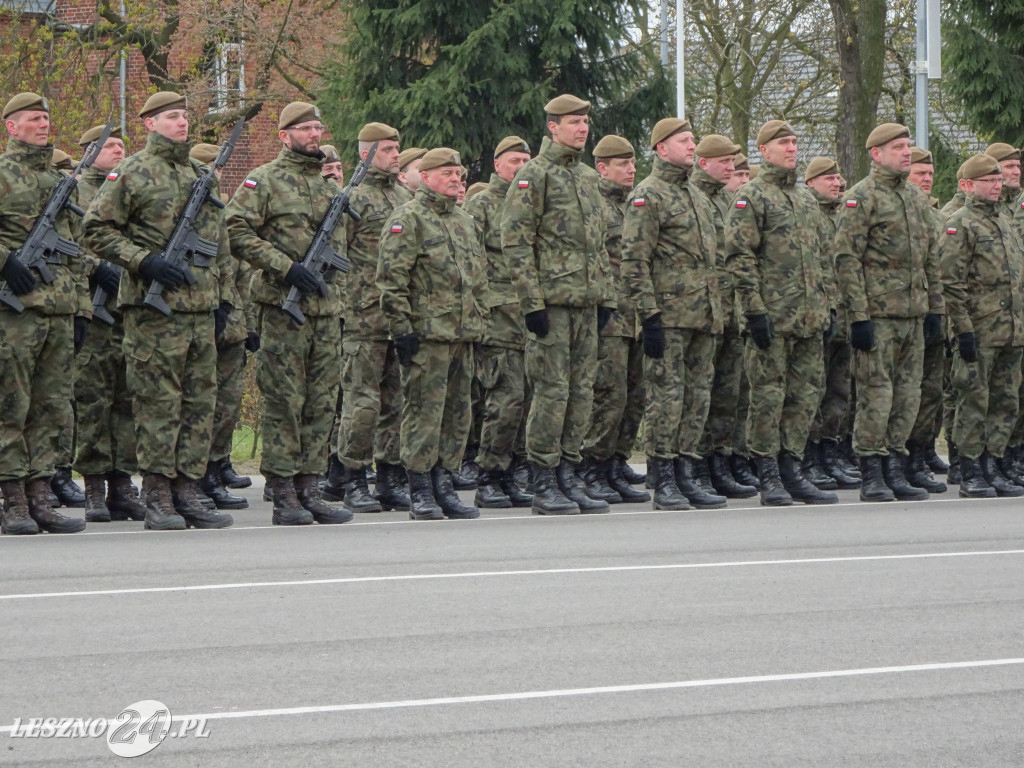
x=44 y=246
x=320 y=256
x=99 y=300
x=184 y=245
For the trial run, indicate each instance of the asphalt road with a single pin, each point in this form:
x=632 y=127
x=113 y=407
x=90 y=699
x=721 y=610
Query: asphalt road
x=849 y=635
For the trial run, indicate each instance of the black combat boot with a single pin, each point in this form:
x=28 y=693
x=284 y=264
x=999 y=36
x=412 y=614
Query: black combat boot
x=16 y=520
x=618 y=482
x=846 y=458
x=892 y=471
x=357 y=496
x=973 y=484
x=797 y=485
x=934 y=461
x=287 y=508
x=686 y=480
x=447 y=498
x=953 y=474
x=548 y=498
x=95 y=502
x=511 y=488
x=66 y=489
x=465 y=479
x=667 y=495
x=389 y=489
x=334 y=483
x=811 y=468
x=917 y=471
x=423 y=505
x=47 y=518
x=595 y=480
x=572 y=486
x=773 y=492
x=832 y=463
x=995 y=477
x=121 y=499
x=740 y=467
x=1011 y=471
x=489 y=491
x=520 y=472
x=160 y=512
x=629 y=474
x=186 y=501
x=723 y=481
x=211 y=485
x=231 y=479
x=872 y=481
x=307 y=491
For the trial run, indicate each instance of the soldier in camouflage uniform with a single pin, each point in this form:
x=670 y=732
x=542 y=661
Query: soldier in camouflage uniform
x=982 y=262
x=432 y=284
x=740 y=174
x=888 y=275
x=499 y=363
x=409 y=167
x=332 y=168
x=553 y=235
x=1008 y=158
x=272 y=219
x=172 y=360
x=669 y=265
x=740 y=461
x=35 y=344
x=781 y=270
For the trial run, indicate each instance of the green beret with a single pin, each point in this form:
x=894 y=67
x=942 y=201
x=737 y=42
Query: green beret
x=511 y=144
x=407 y=156
x=437 y=158
x=773 y=129
x=753 y=171
x=61 y=160
x=297 y=112
x=740 y=162
x=980 y=165
x=1002 y=152
x=613 y=146
x=204 y=153
x=670 y=126
x=715 y=145
x=918 y=155
x=22 y=101
x=566 y=104
x=377 y=132
x=885 y=133
x=162 y=102
x=820 y=166
x=94 y=133
x=330 y=154
x=476 y=188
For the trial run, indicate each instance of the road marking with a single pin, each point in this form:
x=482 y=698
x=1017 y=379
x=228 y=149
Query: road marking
x=596 y=691
x=535 y=572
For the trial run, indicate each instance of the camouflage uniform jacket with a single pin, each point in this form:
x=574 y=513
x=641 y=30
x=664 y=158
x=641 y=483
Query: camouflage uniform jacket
x=134 y=213
x=272 y=219
x=776 y=255
x=623 y=321
x=668 y=240
x=828 y=218
x=982 y=262
x=1008 y=199
x=431 y=275
x=954 y=205
x=553 y=232
x=505 y=327
x=27 y=179
x=721 y=201
x=373 y=201
x=89 y=184
x=886 y=261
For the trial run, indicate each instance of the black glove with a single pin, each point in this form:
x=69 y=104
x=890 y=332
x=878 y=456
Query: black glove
x=862 y=335
x=107 y=277
x=341 y=322
x=406 y=346
x=761 y=330
x=220 y=319
x=932 y=328
x=155 y=267
x=301 y=278
x=968 y=347
x=252 y=341
x=19 y=277
x=537 y=323
x=81 y=328
x=830 y=335
x=604 y=314
x=652 y=332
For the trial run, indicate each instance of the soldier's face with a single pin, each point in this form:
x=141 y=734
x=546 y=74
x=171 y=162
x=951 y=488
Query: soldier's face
x=828 y=184
x=303 y=138
x=987 y=187
x=446 y=180
x=678 y=149
x=737 y=180
x=411 y=175
x=719 y=168
x=111 y=154
x=31 y=126
x=621 y=170
x=781 y=152
x=1011 y=173
x=922 y=176
x=894 y=154
x=172 y=124
x=333 y=171
x=571 y=131
x=507 y=163
x=386 y=157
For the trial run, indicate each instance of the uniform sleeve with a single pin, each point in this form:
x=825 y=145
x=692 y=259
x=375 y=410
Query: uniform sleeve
x=105 y=225
x=227 y=267
x=641 y=226
x=399 y=246
x=849 y=246
x=82 y=266
x=742 y=245
x=246 y=213
x=932 y=268
x=954 y=256
x=524 y=203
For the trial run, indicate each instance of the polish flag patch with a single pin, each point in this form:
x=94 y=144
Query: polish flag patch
x=950 y=230
x=741 y=203
x=524 y=184
x=396 y=229
x=249 y=183
x=639 y=202
x=851 y=203
x=112 y=176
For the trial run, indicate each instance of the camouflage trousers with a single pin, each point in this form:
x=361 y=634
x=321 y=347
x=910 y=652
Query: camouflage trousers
x=476 y=419
x=929 y=413
x=502 y=376
x=371 y=409
x=231 y=359
x=561 y=369
x=35 y=389
x=677 y=389
x=725 y=395
x=299 y=376
x=106 y=427
x=67 y=444
x=786 y=381
x=831 y=421
x=172 y=371
x=739 y=434
x=1017 y=436
x=618 y=398
x=888 y=381
x=987 y=399
x=436 y=410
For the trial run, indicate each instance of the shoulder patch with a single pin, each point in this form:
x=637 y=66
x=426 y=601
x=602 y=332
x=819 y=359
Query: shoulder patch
x=523 y=184
x=112 y=176
x=851 y=203
x=396 y=229
x=250 y=183
x=639 y=202
x=741 y=203
x=950 y=230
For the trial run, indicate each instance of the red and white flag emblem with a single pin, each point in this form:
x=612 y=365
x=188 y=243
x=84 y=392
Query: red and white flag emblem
x=741 y=203
x=851 y=203
x=524 y=184
x=950 y=230
x=396 y=229
x=112 y=176
x=639 y=202
x=249 y=183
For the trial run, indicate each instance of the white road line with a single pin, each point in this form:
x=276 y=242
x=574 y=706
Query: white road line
x=535 y=572
x=596 y=691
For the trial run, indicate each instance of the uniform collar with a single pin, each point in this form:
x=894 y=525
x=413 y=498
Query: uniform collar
x=558 y=154
x=824 y=203
x=168 y=149
x=435 y=201
x=498 y=184
x=302 y=163
x=95 y=175
x=37 y=158
x=888 y=177
x=777 y=175
x=976 y=203
x=375 y=177
x=705 y=182
x=663 y=169
x=613 y=190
